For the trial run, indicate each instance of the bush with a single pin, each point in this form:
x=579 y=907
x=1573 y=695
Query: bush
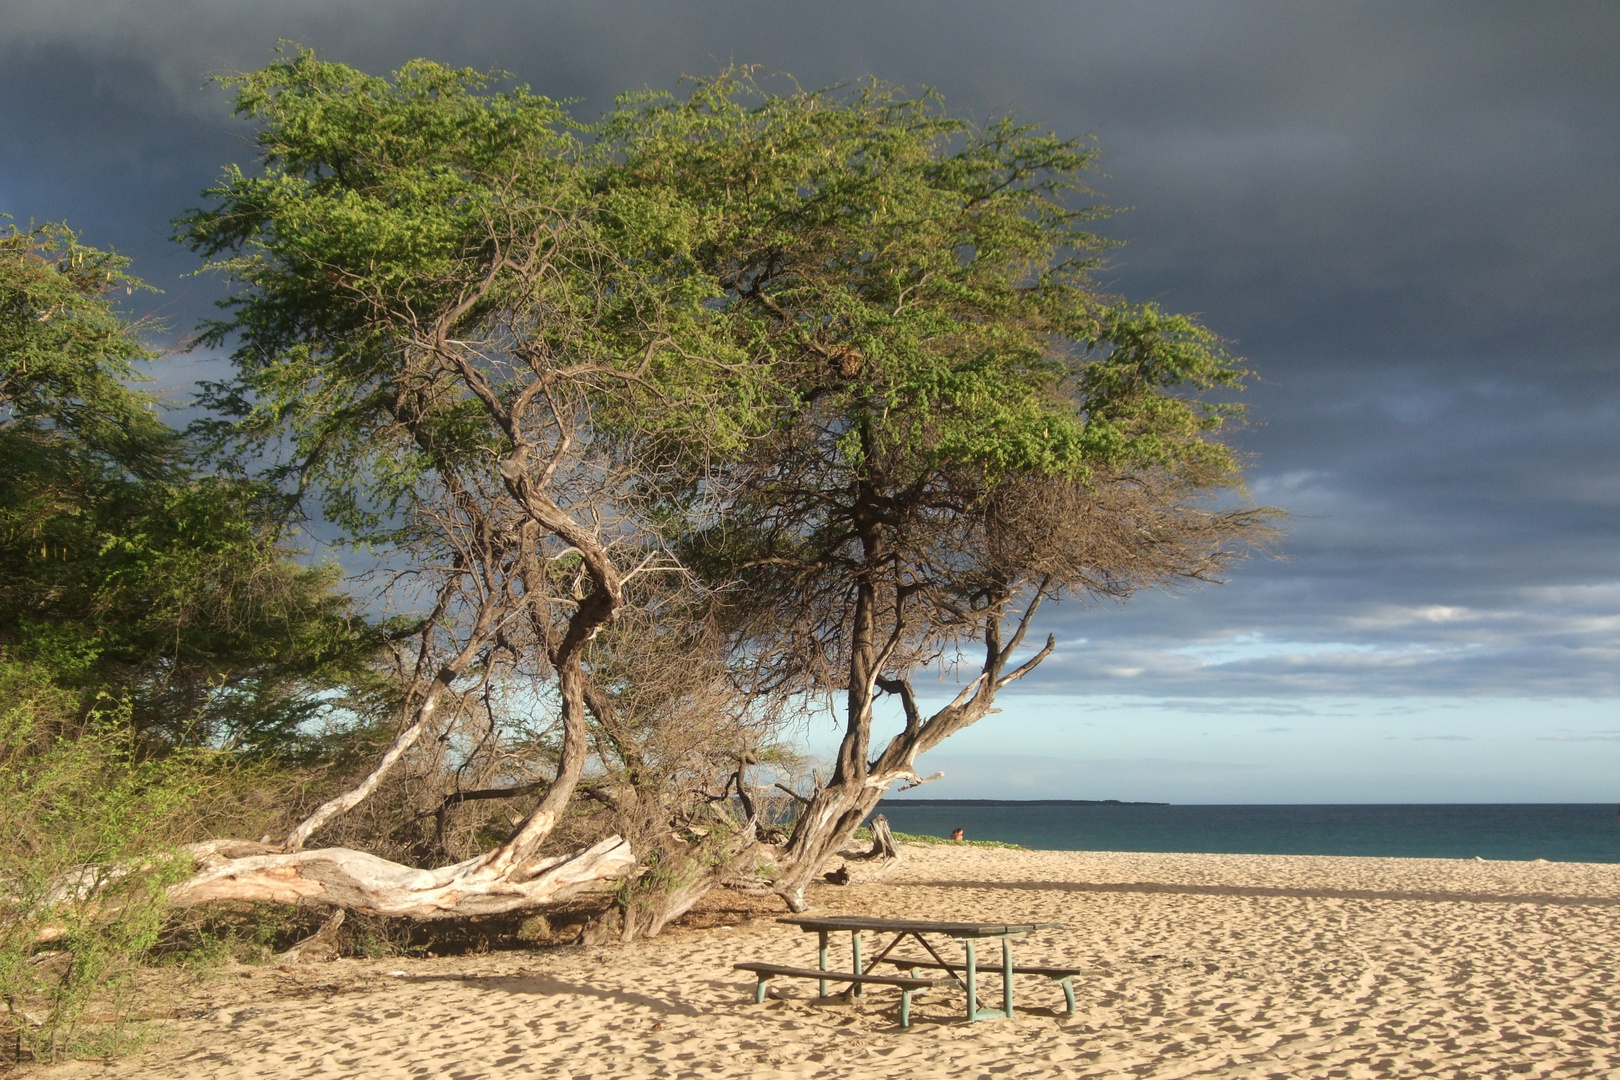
x=82 y=883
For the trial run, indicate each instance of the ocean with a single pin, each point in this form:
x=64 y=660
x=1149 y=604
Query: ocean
x=1558 y=832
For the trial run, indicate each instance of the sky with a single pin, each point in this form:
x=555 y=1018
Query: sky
x=1404 y=216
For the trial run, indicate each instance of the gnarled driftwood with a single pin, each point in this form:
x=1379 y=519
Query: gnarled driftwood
x=357 y=881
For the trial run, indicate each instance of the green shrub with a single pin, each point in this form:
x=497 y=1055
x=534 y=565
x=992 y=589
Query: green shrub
x=84 y=872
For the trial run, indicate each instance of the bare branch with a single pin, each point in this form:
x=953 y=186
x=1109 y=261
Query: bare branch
x=800 y=799
x=1029 y=665
x=924 y=780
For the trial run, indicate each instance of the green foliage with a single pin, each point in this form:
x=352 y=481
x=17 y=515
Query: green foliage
x=427 y=266
x=122 y=564
x=87 y=859
x=179 y=593
x=67 y=356
x=921 y=287
x=841 y=350
x=385 y=205
x=920 y=292
x=459 y=332
x=150 y=614
x=945 y=393
x=767 y=300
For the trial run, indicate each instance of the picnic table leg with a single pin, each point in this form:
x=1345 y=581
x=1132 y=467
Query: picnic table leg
x=822 y=934
x=759 y=989
x=1006 y=977
x=1068 y=993
x=972 y=982
x=855 y=948
x=905 y=1007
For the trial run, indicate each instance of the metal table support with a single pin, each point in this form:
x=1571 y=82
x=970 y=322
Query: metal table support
x=967 y=934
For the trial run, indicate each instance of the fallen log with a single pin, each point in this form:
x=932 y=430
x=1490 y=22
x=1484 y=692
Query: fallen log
x=364 y=883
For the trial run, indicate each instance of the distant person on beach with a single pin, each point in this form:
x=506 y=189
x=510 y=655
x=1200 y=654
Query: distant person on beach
x=956 y=834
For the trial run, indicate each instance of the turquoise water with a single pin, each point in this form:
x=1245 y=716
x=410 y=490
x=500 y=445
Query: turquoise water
x=1558 y=832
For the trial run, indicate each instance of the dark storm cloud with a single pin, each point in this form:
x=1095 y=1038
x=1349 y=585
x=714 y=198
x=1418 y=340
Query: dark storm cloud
x=1405 y=217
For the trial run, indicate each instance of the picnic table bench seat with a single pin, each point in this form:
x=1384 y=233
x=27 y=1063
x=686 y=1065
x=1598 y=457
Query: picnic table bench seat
x=908 y=984
x=1063 y=976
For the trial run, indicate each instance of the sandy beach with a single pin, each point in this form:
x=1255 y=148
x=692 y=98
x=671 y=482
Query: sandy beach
x=1216 y=965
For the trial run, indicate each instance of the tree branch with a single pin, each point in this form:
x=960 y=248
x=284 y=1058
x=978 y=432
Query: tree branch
x=908 y=700
x=1029 y=665
x=800 y=799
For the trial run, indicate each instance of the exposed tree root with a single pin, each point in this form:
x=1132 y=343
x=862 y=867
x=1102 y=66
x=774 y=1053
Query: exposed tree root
x=321 y=945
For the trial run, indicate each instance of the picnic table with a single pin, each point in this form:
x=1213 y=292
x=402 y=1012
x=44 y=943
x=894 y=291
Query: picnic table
x=964 y=975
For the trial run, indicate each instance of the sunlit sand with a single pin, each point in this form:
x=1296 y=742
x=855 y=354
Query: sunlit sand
x=1218 y=966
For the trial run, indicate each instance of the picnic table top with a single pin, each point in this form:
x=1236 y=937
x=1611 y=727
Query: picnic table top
x=915 y=926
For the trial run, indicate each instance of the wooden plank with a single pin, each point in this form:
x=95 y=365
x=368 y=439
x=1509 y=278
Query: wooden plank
x=910 y=982
x=1049 y=972
x=914 y=926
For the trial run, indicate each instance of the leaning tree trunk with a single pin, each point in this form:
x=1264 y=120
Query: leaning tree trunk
x=408 y=736
x=510 y=878
x=646 y=914
x=646 y=911
x=833 y=813
x=825 y=824
x=683 y=875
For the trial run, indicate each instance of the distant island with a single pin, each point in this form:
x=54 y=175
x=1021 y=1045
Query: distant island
x=1022 y=802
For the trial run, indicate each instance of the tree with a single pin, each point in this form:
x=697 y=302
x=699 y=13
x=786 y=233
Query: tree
x=125 y=567
x=965 y=427
x=839 y=352
x=68 y=356
x=446 y=327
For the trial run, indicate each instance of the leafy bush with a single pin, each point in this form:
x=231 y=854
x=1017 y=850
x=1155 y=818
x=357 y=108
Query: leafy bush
x=83 y=880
